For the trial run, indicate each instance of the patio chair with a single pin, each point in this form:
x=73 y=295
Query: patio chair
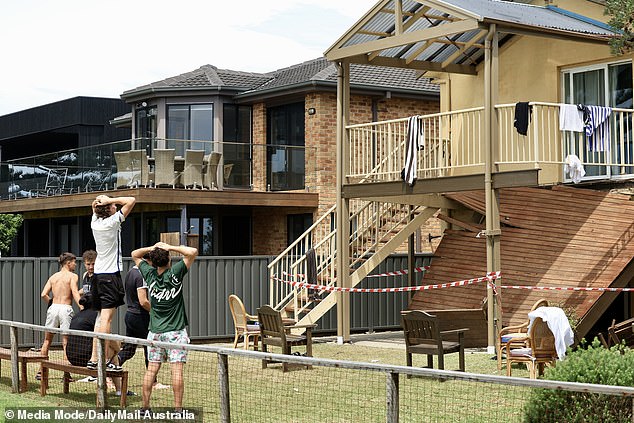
x=56 y=181
x=275 y=333
x=210 y=179
x=517 y=333
x=124 y=168
x=164 y=167
x=192 y=175
x=227 y=173
x=423 y=336
x=539 y=350
x=140 y=168
x=241 y=322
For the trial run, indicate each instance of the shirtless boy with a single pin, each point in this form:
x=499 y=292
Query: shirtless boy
x=63 y=286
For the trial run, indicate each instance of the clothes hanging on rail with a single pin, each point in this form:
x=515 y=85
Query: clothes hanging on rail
x=574 y=168
x=522 y=117
x=570 y=118
x=415 y=142
x=597 y=125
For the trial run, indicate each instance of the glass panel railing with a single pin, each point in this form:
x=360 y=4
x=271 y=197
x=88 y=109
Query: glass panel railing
x=146 y=162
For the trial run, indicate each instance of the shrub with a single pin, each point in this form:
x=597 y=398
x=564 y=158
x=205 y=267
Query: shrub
x=593 y=364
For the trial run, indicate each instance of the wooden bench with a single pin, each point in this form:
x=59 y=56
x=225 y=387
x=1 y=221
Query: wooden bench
x=68 y=368
x=24 y=357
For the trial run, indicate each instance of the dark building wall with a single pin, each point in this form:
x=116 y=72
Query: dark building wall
x=72 y=123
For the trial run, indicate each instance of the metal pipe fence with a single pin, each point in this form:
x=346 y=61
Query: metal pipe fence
x=224 y=384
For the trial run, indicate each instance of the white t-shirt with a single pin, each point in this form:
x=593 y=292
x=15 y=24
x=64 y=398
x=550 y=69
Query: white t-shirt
x=107 y=234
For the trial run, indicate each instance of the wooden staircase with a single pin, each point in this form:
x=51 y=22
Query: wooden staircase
x=378 y=229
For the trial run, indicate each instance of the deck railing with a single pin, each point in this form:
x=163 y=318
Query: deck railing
x=107 y=166
x=455 y=145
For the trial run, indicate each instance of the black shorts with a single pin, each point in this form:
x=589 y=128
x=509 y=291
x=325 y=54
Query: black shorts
x=108 y=290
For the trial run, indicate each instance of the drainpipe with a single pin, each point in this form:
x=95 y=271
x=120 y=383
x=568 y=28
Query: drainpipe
x=492 y=231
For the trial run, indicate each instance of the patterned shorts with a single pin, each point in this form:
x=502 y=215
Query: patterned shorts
x=161 y=355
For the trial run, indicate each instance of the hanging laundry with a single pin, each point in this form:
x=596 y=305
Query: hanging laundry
x=597 y=125
x=574 y=168
x=522 y=117
x=415 y=142
x=570 y=118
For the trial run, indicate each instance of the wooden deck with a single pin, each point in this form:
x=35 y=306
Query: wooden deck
x=157 y=199
x=559 y=237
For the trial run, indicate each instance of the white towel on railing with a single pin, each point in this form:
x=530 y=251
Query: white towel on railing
x=570 y=118
x=574 y=168
x=558 y=324
x=415 y=142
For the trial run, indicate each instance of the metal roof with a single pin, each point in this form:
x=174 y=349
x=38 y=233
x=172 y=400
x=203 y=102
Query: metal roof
x=448 y=35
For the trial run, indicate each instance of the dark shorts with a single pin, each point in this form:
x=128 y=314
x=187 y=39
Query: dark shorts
x=108 y=290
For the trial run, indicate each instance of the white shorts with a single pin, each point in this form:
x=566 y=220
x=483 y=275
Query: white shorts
x=59 y=316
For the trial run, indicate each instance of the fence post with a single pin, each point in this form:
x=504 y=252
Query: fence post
x=102 y=398
x=15 y=371
x=391 y=396
x=223 y=382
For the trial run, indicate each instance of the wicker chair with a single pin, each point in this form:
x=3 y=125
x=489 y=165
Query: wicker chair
x=210 y=179
x=164 y=167
x=241 y=323
x=124 y=168
x=192 y=175
x=140 y=168
x=540 y=350
x=515 y=334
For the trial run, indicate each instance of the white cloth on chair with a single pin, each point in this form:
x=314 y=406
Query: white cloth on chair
x=558 y=324
x=574 y=168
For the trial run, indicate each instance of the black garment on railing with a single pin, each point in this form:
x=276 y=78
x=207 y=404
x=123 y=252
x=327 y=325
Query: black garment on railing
x=522 y=117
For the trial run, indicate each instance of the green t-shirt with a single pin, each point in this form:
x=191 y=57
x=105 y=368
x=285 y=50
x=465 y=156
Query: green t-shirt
x=166 y=297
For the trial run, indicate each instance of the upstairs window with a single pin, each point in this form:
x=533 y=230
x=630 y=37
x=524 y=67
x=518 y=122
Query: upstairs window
x=192 y=123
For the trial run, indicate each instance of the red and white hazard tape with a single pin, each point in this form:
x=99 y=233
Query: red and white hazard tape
x=489 y=277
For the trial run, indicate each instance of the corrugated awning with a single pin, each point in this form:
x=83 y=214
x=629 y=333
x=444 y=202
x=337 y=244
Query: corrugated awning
x=448 y=35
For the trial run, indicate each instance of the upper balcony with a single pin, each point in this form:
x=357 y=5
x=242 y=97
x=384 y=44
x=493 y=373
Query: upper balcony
x=159 y=163
x=453 y=157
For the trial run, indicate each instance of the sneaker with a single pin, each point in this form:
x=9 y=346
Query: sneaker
x=130 y=393
x=92 y=365
x=111 y=367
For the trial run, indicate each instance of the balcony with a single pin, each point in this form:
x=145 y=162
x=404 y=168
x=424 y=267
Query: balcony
x=455 y=145
x=159 y=163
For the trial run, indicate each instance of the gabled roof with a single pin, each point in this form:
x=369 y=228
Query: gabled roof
x=559 y=237
x=307 y=74
x=448 y=35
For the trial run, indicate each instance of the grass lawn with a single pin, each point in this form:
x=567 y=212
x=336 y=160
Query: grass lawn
x=321 y=394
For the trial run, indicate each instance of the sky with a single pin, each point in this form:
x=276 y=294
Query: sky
x=54 y=50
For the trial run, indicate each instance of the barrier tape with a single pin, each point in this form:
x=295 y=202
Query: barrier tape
x=489 y=277
x=378 y=275
x=565 y=288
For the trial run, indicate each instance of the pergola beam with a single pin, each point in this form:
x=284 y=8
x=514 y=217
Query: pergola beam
x=417 y=64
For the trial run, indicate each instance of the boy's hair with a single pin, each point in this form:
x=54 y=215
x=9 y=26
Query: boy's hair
x=66 y=257
x=89 y=255
x=102 y=211
x=159 y=257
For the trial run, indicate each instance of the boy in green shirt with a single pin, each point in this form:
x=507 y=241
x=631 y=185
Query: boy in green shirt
x=168 y=318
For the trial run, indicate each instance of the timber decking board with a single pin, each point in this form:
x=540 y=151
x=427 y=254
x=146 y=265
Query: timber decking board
x=560 y=237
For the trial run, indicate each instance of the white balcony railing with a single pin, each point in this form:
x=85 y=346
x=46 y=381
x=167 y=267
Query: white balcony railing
x=454 y=145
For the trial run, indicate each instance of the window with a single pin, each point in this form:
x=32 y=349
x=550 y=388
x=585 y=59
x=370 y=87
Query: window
x=285 y=152
x=296 y=225
x=190 y=122
x=236 y=133
x=608 y=84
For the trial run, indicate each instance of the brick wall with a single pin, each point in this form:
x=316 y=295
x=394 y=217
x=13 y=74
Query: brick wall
x=321 y=158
